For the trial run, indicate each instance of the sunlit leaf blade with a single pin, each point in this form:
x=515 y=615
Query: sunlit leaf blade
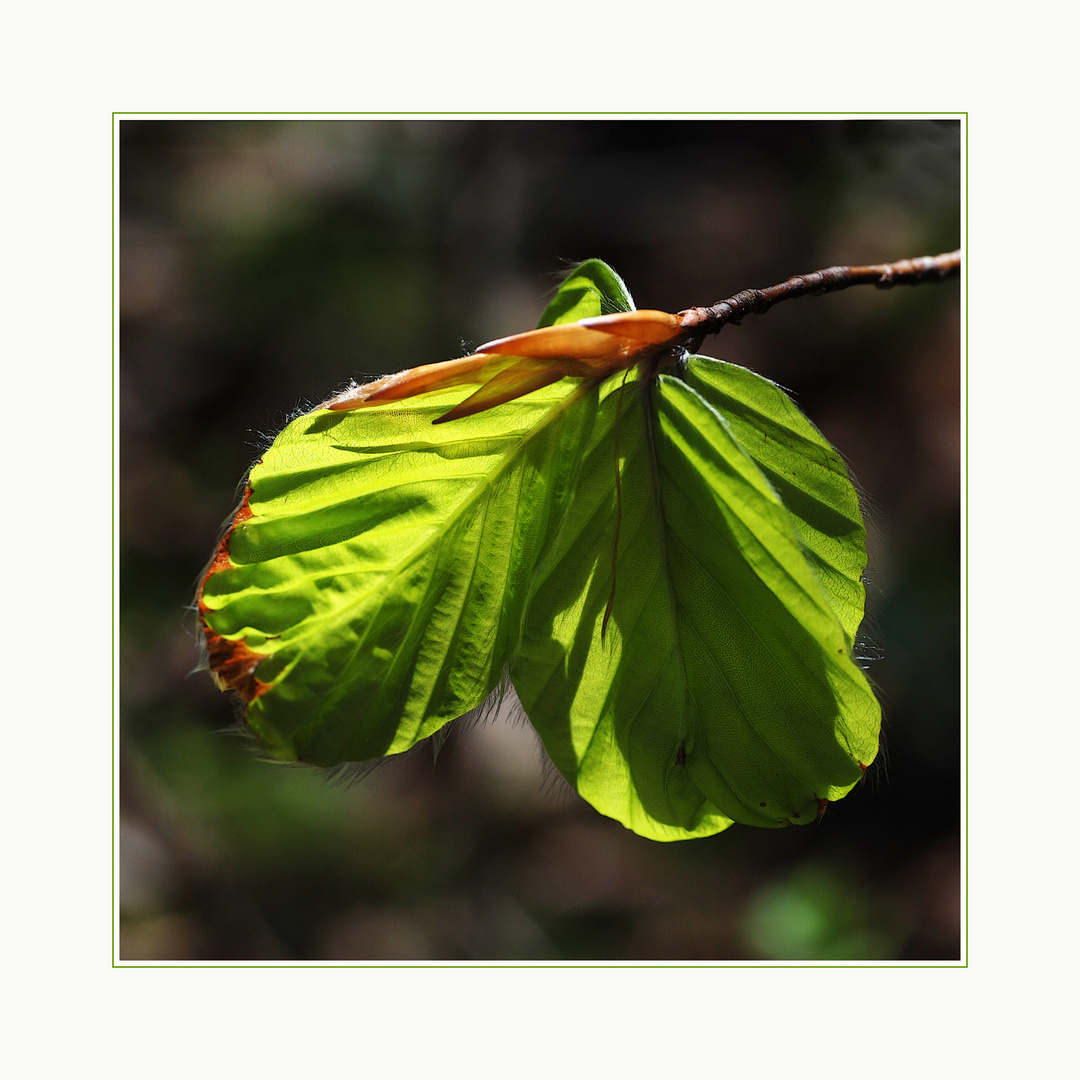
x=382 y=571
x=805 y=471
x=670 y=566
x=592 y=288
x=723 y=688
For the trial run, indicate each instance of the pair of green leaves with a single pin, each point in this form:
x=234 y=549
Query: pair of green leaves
x=668 y=566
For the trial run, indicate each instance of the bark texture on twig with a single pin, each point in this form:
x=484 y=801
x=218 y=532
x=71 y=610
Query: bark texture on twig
x=702 y=321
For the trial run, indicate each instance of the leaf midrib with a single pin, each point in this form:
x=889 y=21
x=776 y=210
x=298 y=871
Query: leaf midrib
x=316 y=621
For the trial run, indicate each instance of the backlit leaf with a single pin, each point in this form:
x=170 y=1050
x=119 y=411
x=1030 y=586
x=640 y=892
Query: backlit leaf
x=380 y=574
x=592 y=288
x=668 y=564
x=723 y=688
x=807 y=474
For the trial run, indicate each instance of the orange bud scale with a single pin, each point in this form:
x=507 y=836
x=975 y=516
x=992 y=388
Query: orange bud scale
x=510 y=367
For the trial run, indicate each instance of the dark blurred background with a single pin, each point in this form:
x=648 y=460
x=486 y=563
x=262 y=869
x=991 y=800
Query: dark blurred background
x=264 y=263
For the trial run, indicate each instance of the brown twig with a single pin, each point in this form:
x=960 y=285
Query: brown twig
x=702 y=321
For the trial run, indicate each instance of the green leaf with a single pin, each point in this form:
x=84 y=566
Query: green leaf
x=382 y=572
x=592 y=288
x=669 y=566
x=723 y=688
x=380 y=579
x=807 y=474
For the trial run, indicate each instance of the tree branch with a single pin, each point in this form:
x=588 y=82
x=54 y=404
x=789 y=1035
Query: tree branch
x=702 y=321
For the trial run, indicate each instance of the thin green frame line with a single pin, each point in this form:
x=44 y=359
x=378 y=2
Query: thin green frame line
x=897 y=965
x=114 y=363
x=967 y=591
x=117 y=117
x=944 y=115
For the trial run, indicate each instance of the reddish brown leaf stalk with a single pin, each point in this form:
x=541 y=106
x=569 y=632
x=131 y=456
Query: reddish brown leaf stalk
x=708 y=320
x=598 y=347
